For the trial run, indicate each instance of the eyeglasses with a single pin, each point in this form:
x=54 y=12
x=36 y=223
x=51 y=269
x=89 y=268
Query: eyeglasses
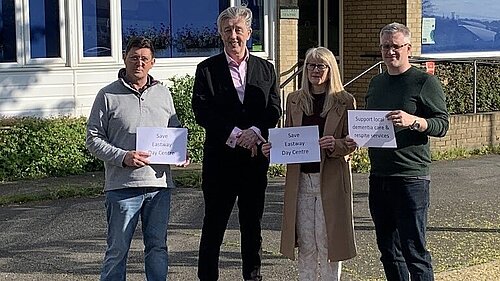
x=393 y=47
x=145 y=60
x=319 y=66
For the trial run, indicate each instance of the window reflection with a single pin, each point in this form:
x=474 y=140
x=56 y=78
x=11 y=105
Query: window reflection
x=196 y=35
x=178 y=28
x=151 y=19
x=96 y=28
x=256 y=42
x=45 y=29
x=7 y=31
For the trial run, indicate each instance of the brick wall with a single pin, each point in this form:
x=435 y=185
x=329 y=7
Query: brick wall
x=414 y=23
x=470 y=131
x=288 y=47
x=363 y=20
x=287 y=56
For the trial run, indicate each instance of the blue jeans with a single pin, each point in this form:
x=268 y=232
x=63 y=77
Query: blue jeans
x=399 y=206
x=123 y=209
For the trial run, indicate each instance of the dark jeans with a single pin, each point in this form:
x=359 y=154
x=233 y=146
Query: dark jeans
x=399 y=206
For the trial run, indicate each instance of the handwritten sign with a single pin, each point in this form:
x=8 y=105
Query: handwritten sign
x=165 y=145
x=370 y=128
x=294 y=145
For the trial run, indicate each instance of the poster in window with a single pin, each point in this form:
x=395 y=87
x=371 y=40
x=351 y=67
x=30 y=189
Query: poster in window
x=428 y=27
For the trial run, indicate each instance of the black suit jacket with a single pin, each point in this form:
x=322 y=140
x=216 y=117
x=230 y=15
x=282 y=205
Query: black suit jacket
x=218 y=110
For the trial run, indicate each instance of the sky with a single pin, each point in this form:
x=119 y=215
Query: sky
x=477 y=9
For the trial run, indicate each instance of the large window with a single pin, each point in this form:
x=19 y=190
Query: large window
x=471 y=28
x=7 y=31
x=96 y=28
x=181 y=28
x=31 y=31
x=256 y=43
x=44 y=23
x=40 y=31
x=178 y=28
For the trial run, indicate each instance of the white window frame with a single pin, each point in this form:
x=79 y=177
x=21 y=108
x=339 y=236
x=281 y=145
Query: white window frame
x=115 y=29
x=19 y=42
x=116 y=36
x=268 y=36
x=24 y=40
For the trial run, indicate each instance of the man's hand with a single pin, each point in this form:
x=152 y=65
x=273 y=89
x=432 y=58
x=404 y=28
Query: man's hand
x=400 y=118
x=247 y=139
x=136 y=159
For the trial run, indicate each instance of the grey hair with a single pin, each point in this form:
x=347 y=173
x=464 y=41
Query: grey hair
x=396 y=27
x=234 y=13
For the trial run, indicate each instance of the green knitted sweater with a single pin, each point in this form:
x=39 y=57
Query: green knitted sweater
x=416 y=93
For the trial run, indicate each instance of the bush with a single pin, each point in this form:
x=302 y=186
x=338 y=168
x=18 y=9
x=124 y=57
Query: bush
x=35 y=147
x=182 y=91
x=360 y=162
x=276 y=170
x=457 y=81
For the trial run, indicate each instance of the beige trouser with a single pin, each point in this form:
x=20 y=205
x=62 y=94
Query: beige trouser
x=311 y=233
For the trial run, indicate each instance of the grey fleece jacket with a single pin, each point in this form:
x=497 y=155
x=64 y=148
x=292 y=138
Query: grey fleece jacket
x=111 y=131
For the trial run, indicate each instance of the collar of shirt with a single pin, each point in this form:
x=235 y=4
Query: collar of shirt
x=150 y=81
x=230 y=60
x=238 y=73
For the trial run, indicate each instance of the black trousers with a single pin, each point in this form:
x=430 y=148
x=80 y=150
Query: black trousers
x=245 y=185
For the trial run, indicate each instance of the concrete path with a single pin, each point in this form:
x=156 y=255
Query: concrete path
x=65 y=239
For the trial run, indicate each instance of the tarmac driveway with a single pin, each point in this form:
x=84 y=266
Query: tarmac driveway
x=65 y=239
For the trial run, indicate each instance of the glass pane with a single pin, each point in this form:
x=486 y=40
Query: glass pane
x=333 y=27
x=7 y=31
x=45 y=29
x=96 y=28
x=194 y=26
x=307 y=26
x=150 y=18
x=256 y=43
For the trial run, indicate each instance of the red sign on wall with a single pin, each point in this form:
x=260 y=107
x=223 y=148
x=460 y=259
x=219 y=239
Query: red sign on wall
x=429 y=66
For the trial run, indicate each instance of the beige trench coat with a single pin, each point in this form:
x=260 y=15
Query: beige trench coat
x=336 y=186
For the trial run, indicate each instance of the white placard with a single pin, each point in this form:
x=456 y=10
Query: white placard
x=165 y=145
x=294 y=145
x=370 y=128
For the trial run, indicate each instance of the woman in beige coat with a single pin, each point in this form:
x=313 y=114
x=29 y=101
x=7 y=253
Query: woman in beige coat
x=317 y=214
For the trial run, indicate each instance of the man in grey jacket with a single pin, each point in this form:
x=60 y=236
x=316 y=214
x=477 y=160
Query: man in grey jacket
x=133 y=188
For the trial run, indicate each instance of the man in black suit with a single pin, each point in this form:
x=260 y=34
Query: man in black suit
x=235 y=98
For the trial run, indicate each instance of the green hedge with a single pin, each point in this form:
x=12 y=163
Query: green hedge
x=182 y=90
x=458 y=82
x=35 y=147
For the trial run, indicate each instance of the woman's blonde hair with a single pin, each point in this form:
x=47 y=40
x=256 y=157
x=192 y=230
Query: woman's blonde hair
x=335 y=92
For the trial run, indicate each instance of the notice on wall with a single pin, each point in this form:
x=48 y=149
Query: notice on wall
x=165 y=145
x=428 y=28
x=294 y=145
x=370 y=128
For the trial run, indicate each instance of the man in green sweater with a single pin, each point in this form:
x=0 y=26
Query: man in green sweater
x=399 y=177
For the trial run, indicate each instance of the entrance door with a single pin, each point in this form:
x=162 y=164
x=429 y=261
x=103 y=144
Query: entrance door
x=319 y=25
